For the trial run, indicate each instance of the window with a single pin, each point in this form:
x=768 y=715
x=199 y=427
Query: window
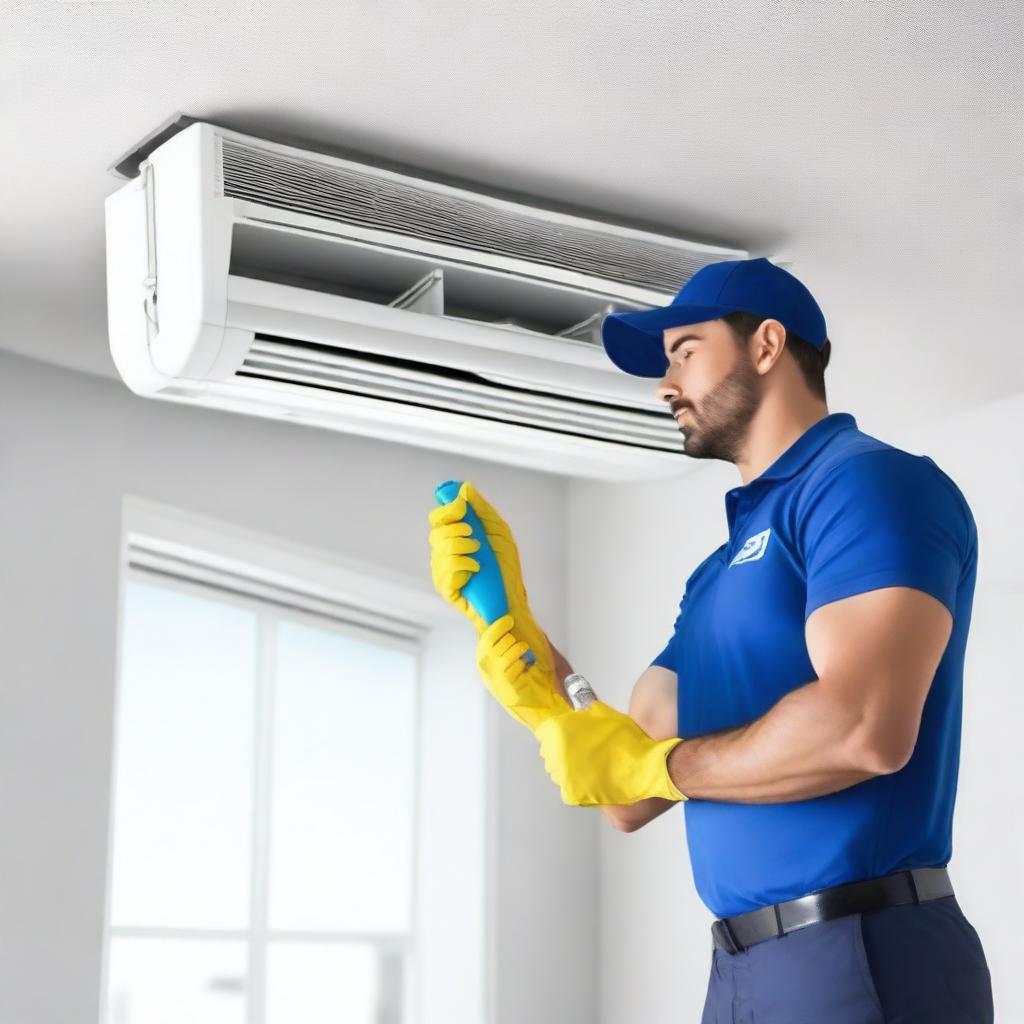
x=263 y=821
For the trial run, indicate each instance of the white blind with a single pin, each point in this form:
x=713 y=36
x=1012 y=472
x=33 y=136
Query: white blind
x=247 y=582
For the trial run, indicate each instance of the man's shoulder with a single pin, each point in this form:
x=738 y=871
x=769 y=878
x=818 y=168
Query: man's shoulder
x=861 y=459
x=864 y=467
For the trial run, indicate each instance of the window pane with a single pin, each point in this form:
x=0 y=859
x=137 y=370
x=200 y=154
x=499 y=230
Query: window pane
x=184 y=761
x=170 y=981
x=329 y=984
x=342 y=789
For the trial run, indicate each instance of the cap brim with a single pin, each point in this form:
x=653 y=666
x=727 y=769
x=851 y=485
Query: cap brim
x=635 y=342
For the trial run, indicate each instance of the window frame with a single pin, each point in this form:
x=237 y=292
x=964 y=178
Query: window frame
x=325 y=573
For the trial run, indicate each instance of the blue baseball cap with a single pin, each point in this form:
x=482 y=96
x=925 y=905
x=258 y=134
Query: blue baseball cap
x=635 y=343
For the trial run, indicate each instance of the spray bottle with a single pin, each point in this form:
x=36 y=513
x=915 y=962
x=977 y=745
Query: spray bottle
x=485 y=591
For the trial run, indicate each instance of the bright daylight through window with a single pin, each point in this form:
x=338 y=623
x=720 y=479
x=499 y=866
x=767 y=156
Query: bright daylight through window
x=258 y=873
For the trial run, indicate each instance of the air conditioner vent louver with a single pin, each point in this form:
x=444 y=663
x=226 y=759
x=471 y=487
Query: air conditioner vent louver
x=421 y=385
x=335 y=193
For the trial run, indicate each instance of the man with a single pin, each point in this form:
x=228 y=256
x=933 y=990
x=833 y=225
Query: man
x=807 y=706
x=816 y=669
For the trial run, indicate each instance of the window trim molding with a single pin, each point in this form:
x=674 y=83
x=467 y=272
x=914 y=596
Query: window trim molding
x=233 y=548
x=443 y=647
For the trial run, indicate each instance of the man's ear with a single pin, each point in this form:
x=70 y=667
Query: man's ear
x=769 y=341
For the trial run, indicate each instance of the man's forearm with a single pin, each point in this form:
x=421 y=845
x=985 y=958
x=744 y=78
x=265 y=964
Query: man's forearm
x=630 y=817
x=802 y=748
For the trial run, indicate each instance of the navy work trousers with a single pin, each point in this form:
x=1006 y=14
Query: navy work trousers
x=912 y=964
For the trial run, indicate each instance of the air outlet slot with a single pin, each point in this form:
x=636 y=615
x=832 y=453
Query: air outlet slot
x=458 y=392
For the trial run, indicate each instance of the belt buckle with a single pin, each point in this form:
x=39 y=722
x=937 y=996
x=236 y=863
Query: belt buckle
x=723 y=936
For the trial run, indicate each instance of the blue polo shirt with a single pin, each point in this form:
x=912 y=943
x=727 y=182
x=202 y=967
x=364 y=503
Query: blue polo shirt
x=838 y=512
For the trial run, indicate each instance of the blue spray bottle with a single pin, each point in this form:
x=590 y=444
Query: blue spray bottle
x=485 y=590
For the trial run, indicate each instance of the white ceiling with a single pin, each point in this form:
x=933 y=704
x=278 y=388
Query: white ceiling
x=877 y=145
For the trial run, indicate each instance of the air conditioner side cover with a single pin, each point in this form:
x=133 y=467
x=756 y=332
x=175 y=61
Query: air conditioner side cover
x=189 y=236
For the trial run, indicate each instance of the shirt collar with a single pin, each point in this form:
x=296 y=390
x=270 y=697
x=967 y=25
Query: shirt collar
x=808 y=444
x=793 y=459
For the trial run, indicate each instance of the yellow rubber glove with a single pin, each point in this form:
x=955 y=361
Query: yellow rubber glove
x=529 y=693
x=601 y=756
x=450 y=546
x=451 y=568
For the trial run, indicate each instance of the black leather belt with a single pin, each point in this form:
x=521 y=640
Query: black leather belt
x=736 y=934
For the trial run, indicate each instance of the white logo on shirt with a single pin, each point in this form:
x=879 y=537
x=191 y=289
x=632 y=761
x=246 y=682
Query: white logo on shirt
x=753 y=548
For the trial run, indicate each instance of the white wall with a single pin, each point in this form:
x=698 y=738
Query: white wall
x=981 y=450
x=71 y=446
x=645 y=541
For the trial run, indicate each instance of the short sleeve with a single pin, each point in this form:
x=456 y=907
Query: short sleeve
x=884 y=518
x=667 y=657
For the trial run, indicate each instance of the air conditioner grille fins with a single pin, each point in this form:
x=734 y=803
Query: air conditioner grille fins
x=320 y=189
x=421 y=385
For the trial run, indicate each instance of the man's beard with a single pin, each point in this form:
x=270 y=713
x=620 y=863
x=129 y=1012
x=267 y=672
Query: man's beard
x=719 y=428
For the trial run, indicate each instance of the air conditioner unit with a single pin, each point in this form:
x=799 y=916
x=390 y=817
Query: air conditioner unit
x=256 y=277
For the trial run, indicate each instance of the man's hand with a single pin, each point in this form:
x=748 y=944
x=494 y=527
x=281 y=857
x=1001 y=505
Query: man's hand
x=529 y=693
x=539 y=692
x=601 y=756
x=451 y=546
x=451 y=566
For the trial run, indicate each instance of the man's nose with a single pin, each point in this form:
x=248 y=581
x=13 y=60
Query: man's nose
x=666 y=391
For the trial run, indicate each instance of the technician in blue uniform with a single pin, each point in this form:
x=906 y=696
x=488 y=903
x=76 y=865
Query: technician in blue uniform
x=814 y=673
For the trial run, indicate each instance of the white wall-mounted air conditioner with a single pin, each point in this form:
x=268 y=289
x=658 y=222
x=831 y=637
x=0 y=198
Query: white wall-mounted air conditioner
x=251 y=276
